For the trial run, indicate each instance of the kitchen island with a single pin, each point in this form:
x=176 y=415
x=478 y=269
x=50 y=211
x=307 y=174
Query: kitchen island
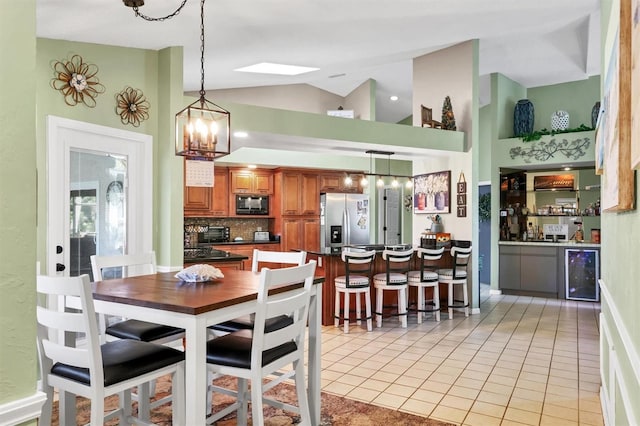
x=549 y=269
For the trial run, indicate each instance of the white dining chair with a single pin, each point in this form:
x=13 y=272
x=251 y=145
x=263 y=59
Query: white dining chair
x=258 y=353
x=93 y=370
x=261 y=257
x=129 y=265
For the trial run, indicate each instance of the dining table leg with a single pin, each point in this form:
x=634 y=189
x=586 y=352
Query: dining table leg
x=195 y=379
x=315 y=354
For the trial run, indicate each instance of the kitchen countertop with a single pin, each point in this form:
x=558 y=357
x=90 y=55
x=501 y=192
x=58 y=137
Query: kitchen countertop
x=212 y=255
x=570 y=243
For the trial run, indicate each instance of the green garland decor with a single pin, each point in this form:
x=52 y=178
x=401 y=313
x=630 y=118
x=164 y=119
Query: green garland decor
x=536 y=135
x=484 y=207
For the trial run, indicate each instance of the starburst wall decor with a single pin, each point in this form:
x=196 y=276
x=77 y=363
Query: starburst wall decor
x=132 y=106
x=77 y=81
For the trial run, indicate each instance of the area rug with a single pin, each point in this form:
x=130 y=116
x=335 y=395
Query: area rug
x=335 y=410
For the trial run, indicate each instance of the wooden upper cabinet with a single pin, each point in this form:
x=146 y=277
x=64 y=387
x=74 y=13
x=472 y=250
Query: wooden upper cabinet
x=197 y=200
x=220 y=193
x=309 y=194
x=251 y=182
x=334 y=182
x=291 y=193
x=207 y=201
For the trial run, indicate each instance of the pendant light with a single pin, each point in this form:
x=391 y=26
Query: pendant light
x=202 y=128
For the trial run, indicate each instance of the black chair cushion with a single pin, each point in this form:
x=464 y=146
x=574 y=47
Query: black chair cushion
x=141 y=330
x=246 y=323
x=234 y=350
x=122 y=360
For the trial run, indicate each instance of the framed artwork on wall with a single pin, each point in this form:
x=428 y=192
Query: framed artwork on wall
x=432 y=193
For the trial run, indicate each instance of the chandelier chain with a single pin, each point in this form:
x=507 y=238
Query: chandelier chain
x=162 y=18
x=201 y=49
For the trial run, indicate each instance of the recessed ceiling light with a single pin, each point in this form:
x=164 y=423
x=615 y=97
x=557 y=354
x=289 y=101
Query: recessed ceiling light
x=252 y=166
x=567 y=168
x=393 y=98
x=281 y=69
x=240 y=134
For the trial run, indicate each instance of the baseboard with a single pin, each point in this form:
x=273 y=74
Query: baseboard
x=475 y=311
x=493 y=291
x=22 y=410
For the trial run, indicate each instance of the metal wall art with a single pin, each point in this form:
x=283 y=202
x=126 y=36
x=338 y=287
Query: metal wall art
x=132 y=106
x=543 y=151
x=77 y=81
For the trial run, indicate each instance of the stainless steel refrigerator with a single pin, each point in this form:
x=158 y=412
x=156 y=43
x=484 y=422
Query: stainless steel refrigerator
x=344 y=220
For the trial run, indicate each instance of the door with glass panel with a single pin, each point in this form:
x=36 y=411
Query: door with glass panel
x=99 y=195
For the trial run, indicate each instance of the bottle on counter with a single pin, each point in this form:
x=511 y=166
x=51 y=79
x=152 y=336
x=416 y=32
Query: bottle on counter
x=530 y=233
x=579 y=232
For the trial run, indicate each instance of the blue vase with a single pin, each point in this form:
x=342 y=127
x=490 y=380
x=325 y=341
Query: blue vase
x=595 y=111
x=523 y=117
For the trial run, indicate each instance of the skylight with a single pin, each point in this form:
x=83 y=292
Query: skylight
x=281 y=69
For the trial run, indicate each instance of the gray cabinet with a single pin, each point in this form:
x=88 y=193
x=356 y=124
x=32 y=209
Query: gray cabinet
x=533 y=270
x=509 y=275
x=539 y=269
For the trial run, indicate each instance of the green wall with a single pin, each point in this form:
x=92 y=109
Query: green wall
x=18 y=360
x=577 y=98
x=620 y=339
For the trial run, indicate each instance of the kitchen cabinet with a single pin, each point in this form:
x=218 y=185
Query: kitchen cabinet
x=532 y=270
x=335 y=182
x=251 y=182
x=247 y=250
x=233 y=264
x=208 y=201
x=301 y=233
x=300 y=195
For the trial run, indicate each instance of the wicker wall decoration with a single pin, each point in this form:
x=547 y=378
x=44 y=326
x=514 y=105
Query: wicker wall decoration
x=132 y=106
x=77 y=81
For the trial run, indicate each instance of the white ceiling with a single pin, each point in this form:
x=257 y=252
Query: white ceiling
x=533 y=42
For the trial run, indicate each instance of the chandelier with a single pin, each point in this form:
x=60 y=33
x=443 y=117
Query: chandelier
x=202 y=128
x=380 y=181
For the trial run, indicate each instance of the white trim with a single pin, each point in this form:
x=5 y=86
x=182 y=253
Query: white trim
x=475 y=311
x=609 y=394
x=22 y=410
x=495 y=291
x=484 y=183
x=634 y=358
x=140 y=197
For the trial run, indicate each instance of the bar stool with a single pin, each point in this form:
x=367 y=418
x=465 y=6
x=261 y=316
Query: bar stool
x=356 y=280
x=457 y=276
x=398 y=263
x=427 y=277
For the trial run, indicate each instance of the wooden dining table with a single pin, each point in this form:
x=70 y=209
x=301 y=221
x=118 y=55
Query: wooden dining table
x=164 y=299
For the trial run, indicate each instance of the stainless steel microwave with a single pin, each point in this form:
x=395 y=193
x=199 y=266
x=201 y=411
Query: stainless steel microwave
x=257 y=205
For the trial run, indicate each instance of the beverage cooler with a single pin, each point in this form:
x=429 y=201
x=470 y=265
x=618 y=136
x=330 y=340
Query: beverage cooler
x=582 y=272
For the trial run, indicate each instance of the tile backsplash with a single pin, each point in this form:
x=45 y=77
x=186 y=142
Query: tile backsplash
x=243 y=228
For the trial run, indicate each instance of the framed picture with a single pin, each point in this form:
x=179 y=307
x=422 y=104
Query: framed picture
x=432 y=193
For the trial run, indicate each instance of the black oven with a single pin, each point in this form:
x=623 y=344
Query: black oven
x=215 y=234
x=252 y=205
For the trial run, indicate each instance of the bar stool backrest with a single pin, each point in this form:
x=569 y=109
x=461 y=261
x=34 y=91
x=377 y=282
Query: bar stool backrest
x=397 y=261
x=358 y=263
x=461 y=258
x=428 y=259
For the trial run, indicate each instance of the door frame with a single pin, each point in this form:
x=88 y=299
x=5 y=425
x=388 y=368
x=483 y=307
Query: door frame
x=137 y=147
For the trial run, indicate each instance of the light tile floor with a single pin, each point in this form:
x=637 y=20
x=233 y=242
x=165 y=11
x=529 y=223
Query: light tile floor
x=522 y=360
